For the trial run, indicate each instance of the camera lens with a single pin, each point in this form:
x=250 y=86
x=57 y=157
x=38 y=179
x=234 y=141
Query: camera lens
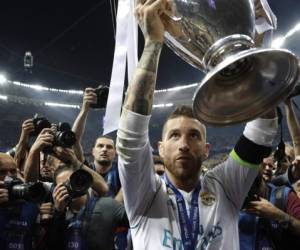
x=65 y=138
x=34 y=192
x=80 y=182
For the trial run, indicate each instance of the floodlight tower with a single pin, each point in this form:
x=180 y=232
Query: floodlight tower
x=28 y=62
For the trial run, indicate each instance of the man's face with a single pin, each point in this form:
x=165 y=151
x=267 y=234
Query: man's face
x=47 y=166
x=8 y=167
x=267 y=167
x=296 y=187
x=104 y=151
x=183 y=147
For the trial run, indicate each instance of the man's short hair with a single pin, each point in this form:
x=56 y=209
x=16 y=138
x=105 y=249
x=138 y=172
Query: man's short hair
x=106 y=137
x=61 y=168
x=185 y=111
x=4 y=158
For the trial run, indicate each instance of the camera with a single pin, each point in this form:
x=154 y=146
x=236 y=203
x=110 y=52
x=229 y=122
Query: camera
x=102 y=95
x=79 y=183
x=17 y=190
x=39 y=124
x=64 y=136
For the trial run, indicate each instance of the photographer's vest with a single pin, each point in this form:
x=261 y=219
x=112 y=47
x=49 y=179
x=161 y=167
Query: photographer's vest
x=16 y=226
x=76 y=236
x=258 y=233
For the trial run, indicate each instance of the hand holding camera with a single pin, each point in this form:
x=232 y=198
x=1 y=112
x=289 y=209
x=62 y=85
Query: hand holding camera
x=89 y=97
x=60 y=197
x=101 y=97
x=46 y=211
x=66 y=155
x=53 y=135
x=27 y=129
x=44 y=139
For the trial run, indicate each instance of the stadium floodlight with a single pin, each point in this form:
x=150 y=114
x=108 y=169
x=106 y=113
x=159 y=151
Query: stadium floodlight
x=158 y=105
x=163 y=105
x=2 y=79
x=3 y=97
x=177 y=88
x=38 y=87
x=278 y=42
x=169 y=105
x=62 y=105
x=76 y=92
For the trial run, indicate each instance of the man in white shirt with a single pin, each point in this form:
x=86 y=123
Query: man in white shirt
x=180 y=210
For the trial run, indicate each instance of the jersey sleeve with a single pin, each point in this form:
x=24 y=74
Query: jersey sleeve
x=237 y=174
x=135 y=164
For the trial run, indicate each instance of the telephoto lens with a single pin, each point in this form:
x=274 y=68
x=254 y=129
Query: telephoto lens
x=79 y=183
x=64 y=136
x=17 y=190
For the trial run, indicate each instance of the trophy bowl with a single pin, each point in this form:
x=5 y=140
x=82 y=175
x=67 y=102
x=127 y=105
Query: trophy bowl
x=217 y=37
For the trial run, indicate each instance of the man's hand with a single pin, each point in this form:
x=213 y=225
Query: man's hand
x=296 y=162
x=3 y=193
x=46 y=211
x=148 y=14
x=263 y=208
x=60 y=197
x=89 y=98
x=260 y=12
x=27 y=128
x=44 y=139
x=66 y=155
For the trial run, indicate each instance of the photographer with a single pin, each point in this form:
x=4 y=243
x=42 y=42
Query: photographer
x=17 y=216
x=22 y=148
x=291 y=159
x=84 y=222
x=270 y=218
x=104 y=151
x=89 y=97
x=45 y=139
x=32 y=165
x=67 y=155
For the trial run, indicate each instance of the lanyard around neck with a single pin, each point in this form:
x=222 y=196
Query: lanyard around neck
x=189 y=225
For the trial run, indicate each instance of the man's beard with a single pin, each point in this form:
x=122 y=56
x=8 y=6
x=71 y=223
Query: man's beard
x=189 y=174
x=104 y=163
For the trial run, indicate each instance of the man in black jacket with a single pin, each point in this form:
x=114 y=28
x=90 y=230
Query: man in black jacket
x=85 y=222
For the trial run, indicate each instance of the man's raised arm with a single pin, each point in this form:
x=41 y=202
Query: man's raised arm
x=140 y=91
x=135 y=156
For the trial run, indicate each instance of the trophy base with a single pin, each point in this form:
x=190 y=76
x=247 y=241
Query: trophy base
x=245 y=85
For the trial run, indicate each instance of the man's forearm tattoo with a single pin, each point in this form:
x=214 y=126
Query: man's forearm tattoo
x=140 y=92
x=149 y=59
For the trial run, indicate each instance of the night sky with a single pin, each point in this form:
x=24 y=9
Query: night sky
x=73 y=43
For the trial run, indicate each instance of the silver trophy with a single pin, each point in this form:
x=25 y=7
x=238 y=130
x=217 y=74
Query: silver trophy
x=242 y=81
